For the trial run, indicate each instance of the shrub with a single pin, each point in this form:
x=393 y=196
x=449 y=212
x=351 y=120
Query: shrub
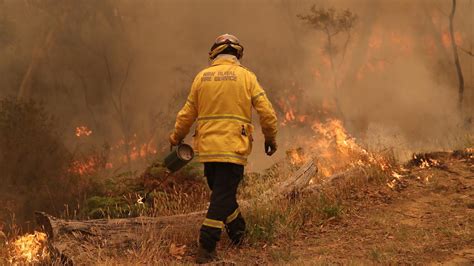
x=33 y=161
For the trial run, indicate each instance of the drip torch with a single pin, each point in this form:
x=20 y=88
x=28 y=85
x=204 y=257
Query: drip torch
x=179 y=157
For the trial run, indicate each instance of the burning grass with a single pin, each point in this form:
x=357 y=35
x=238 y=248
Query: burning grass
x=28 y=249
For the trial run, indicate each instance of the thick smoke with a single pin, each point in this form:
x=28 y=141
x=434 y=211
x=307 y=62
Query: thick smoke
x=124 y=67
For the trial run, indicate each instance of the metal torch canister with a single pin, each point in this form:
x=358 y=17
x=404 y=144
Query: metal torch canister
x=179 y=157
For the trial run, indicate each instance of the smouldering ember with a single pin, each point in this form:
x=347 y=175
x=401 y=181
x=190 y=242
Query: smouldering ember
x=428 y=163
x=29 y=248
x=83 y=131
x=397 y=179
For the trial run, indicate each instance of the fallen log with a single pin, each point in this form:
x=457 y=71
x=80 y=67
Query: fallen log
x=294 y=184
x=81 y=242
x=332 y=179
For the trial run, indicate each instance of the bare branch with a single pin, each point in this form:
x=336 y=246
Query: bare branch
x=344 y=48
x=109 y=81
x=124 y=81
x=109 y=72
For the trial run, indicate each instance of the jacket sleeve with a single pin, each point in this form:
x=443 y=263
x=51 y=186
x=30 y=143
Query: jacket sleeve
x=268 y=119
x=187 y=115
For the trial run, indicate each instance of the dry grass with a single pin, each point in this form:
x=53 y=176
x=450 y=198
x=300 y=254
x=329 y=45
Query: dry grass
x=286 y=218
x=278 y=222
x=3 y=253
x=177 y=202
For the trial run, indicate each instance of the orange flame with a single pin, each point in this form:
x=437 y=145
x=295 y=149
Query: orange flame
x=446 y=38
x=336 y=150
x=83 y=131
x=29 y=248
x=88 y=166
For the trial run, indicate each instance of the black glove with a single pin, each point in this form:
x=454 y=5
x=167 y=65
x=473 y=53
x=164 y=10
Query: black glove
x=270 y=147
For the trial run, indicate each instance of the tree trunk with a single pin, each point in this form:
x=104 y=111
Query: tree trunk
x=39 y=53
x=456 y=57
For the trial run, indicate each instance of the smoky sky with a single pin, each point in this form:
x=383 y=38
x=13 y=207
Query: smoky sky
x=397 y=85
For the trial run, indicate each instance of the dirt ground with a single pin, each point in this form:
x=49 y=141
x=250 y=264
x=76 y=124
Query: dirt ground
x=428 y=219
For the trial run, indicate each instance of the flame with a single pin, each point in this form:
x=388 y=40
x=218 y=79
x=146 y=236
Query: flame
x=91 y=164
x=291 y=115
x=87 y=166
x=375 y=42
x=83 y=131
x=29 y=248
x=427 y=163
x=446 y=38
x=336 y=150
x=136 y=150
x=297 y=157
x=402 y=41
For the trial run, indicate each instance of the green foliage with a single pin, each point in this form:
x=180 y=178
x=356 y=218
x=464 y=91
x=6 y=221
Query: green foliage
x=157 y=171
x=193 y=170
x=284 y=218
x=30 y=143
x=117 y=196
x=331 y=210
x=262 y=223
x=110 y=207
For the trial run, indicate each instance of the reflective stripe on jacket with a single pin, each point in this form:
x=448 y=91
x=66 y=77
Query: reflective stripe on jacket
x=221 y=101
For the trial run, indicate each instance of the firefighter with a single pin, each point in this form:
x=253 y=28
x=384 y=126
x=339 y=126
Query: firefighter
x=221 y=101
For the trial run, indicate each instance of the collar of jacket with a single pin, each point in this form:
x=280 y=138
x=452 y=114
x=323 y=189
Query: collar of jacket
x=226 y=59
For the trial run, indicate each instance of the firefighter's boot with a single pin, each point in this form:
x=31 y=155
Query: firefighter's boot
x=205 y=256
x=236 y=230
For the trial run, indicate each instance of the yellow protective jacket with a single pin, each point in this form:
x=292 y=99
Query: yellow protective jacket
x=221 y=101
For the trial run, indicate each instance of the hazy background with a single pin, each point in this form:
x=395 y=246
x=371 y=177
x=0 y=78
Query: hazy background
x=123 y=68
